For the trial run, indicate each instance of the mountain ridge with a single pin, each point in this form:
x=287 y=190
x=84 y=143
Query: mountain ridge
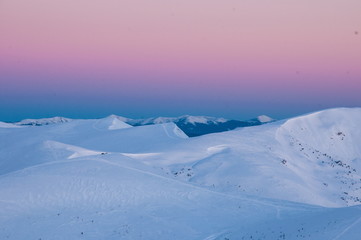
x=192 y=125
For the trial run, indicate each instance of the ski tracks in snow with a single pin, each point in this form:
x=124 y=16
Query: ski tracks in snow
x=216 y=236
x=347 y=228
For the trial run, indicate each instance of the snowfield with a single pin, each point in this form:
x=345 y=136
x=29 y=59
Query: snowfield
x=104 y=179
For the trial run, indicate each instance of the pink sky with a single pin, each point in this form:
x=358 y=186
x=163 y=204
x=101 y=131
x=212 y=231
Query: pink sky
x=280 y=45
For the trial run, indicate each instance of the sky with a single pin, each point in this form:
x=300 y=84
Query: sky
x=139 y=58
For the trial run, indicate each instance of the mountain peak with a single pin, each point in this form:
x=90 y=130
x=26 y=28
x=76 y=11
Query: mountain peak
x=264 y=119
x=112 y=122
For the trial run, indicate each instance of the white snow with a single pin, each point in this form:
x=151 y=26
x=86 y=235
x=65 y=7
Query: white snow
x=203 y=119
x=159 y=120
x=8 y=125
x=110 y=123
x=264 y=119
x=123 y=119
x=185 y=118
x=44 y=121
x=195 y=119
x=101 y=179
x=74 y=151
x=178 y=132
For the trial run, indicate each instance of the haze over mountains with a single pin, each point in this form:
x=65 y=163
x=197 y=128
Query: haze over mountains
x=116 y=178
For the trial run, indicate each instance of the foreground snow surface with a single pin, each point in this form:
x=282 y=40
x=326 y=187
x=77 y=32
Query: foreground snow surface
x=102 y=179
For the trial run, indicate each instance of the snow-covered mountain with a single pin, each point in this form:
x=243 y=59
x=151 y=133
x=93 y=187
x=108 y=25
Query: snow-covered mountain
x=103 y=179
x=185 y=119
x=192 y=126
x=199 y=125
x=315 y=159
x=43 y=121
x=264 y=119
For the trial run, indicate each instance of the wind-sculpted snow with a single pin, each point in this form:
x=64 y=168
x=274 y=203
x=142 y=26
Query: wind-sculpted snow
x=92 y=198
x=102 y=179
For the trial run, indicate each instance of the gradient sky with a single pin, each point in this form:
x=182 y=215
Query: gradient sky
x=140 y=58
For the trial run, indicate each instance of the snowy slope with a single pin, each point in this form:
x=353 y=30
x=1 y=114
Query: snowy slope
x=8 y=125
x=277 y=160
x=92 y=198
x=26 y=146
x=111 y=122
x=103 y=179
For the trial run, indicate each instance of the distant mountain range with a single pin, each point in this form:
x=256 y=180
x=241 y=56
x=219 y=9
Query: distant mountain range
x=191 y=125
